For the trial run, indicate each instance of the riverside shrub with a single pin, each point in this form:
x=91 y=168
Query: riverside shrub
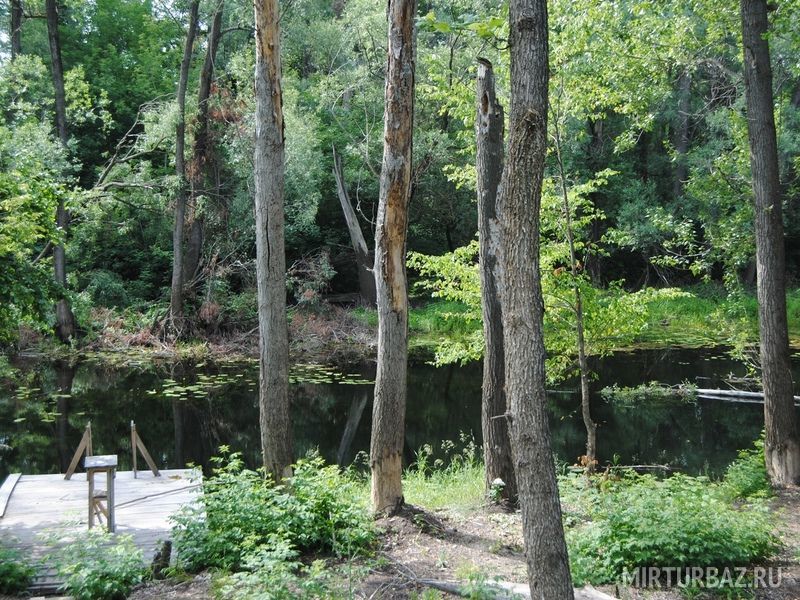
x=243 y=512
x=97 y=565
x=746 y=477
x=680 y=521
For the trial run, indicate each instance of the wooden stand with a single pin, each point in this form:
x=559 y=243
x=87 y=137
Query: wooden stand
x=101 y=502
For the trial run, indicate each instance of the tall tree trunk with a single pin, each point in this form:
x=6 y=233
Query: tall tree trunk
x=782 y=445
x=65 y=320
x=201 y=171
x=489 y=132
x=682 y=134
x=518 y=205
x=389 y=409
x=364 y=262
x=273 y=394
x=176 y=290
x=590 y=459
x=16 y=28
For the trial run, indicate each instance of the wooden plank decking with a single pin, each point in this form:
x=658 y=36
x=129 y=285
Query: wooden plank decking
x=42 y=504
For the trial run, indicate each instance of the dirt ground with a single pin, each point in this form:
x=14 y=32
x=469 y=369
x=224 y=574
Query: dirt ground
x=450 y=550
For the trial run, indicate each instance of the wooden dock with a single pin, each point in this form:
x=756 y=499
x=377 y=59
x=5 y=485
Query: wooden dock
x=36 y=505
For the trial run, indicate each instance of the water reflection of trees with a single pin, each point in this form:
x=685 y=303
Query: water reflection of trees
x=43 y=419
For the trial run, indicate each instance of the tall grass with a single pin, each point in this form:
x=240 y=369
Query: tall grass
x=437 y=316
x=706 y=315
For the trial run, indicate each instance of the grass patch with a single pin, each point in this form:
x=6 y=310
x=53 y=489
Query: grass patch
x=459 y=489
x=450 y=477
x=431 y=324
x=446 y=477
x=707 y=316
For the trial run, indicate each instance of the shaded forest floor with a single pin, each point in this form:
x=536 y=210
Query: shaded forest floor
x=471 y=548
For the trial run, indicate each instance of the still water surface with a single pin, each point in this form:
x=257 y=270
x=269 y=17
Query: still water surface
x=185 y=412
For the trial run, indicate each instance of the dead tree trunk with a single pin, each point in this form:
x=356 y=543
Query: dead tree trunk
x=65 y=320
x=389 y=409
x=16 y=28
x=489 y=161
x=364 y=261
x=782 y=445
x=202 y=158
x=273 y=395
x=176 y=289
x=518 y=205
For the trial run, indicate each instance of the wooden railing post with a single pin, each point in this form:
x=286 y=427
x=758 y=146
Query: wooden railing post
x=137 y=444
x=85 y=445
x=133 y=448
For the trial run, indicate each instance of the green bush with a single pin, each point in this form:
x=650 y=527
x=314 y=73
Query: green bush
x=107 y=289
x=15 y=572
x=746 y=477
x=680 y=521
x=242 y=512
x=99 y=566
x=274 y=573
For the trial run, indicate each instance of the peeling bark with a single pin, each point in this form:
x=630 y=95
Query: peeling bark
x=269 y=162
x=489 y=162
x=389 y=409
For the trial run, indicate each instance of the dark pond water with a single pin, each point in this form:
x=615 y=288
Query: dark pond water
x=185 y=412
